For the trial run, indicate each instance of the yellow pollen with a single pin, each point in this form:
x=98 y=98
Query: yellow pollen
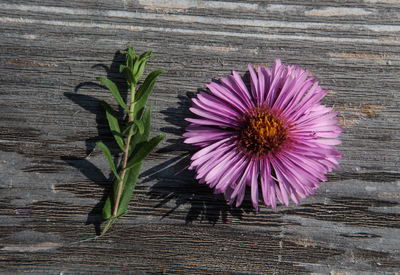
x=261 y=132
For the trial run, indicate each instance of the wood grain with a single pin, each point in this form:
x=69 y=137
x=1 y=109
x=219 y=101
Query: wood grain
x=53 y=179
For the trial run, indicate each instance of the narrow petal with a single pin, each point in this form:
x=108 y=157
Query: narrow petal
x=206 y=150
x=226 y=113
x=232 y=174
x=238 y=192
x=209 y=122
x=254 y=184
x=254 y=86
x=213 y=102
x=212 y=116
x=275 y=87
x=239 y=82
x=224 y=94
x=218 y=170
x=231 y=84
x=262 y=84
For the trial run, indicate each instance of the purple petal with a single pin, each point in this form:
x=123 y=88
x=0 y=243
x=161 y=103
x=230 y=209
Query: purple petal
x=254 y=184
x=232 y=174
x=254 y=86
x=262 y=83
x=230 y=83
x=212 y=102
x=241 y=185
x=225 y=95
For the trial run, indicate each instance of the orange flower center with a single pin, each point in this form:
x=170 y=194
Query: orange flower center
x=262 y=132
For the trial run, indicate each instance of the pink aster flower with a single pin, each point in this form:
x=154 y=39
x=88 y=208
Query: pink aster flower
x=277 y=138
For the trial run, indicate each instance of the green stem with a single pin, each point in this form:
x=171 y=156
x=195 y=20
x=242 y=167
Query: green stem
x=126 y=153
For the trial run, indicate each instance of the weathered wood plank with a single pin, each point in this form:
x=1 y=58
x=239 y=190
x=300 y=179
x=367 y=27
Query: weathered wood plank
x=52 y=177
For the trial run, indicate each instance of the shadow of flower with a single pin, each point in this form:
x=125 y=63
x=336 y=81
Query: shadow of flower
x=174 y=182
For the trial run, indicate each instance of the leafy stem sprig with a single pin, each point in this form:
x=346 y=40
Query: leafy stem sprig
x=133 y=139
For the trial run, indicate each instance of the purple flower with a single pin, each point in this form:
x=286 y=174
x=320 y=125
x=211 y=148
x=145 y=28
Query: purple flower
x=278 y=138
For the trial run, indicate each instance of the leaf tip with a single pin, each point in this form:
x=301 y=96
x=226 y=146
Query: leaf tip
x=99 y=144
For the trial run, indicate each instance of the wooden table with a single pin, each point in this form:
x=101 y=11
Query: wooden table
x=53 y=178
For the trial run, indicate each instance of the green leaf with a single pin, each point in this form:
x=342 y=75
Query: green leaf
x=141 y=65
x=128 y=74
x=139 y=124
x=110 y=201
x=148 y=84
x=130 y=57
x=130 y=77
x=113 y=124
x=144 y=151
x=135 y=66
x=122 y=68
x=118 y=134
x=139 y=139
x=107 y=209
x=129 y=187
x=107 y=152
x=140 y=70
x=114 y=90
x=131 y=52
x=131 y=174
x=146 y=55
x=130 y=180
x=126 y=131
x=145 y=90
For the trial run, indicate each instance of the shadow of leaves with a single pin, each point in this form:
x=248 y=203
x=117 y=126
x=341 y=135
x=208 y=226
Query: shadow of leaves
x=104 y=134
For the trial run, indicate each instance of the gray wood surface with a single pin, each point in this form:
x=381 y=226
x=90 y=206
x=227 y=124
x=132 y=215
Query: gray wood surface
x=52 y=178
